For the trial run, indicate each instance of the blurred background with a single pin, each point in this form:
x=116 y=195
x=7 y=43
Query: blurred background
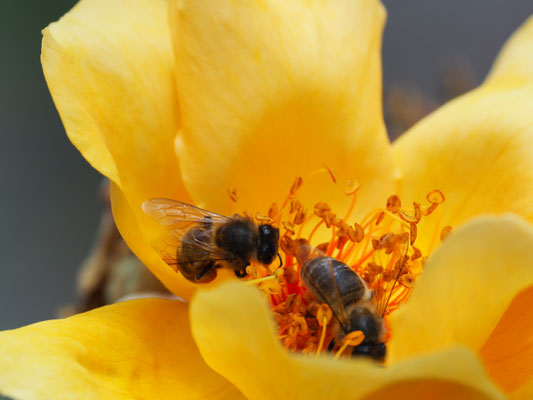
x=49 y=200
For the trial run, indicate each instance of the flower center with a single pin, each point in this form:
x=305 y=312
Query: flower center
x=379 y=248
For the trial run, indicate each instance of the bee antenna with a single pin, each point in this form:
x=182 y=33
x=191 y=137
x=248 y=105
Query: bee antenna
x=280 y=260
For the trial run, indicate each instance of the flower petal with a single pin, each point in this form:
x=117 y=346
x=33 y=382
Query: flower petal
x=136 y=349
x=110 y=69
x=234 y=331
x=129 y=223
x=508 y=353
x=477 y=149
x=270 y=91
x=467 y=286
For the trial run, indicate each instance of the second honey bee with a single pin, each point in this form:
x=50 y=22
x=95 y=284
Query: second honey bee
x=346 y=293
x=199 y=242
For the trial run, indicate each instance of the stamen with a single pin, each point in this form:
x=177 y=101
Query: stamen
x=232 y=193
x=297 y=184
x=259 y=280
x=323 y=327
x=323 y=316
x=330 y=172
x=379 y=247
x=354 y=338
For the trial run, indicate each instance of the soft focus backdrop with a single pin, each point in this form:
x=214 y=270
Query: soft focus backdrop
x=432 y=51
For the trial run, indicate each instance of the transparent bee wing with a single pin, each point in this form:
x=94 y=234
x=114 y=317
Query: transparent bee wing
x=179 y=215
x=341 y=313
x=176 y=218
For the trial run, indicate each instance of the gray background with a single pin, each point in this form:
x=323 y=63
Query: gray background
x=48 y=196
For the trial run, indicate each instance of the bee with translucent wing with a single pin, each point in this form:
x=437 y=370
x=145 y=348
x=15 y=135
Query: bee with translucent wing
x=199 y=242
x=352 y=303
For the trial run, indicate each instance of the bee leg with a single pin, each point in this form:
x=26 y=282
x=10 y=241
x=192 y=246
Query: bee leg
x=331 y=345
x=240 y=274
x=205 y=270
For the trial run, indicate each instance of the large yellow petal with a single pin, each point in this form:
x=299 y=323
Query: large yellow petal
x=127 y=220
x=110 y=69
x=139 y=349
x=467 y=286
x=235 y=334
x=477 y=149
x=271 y=90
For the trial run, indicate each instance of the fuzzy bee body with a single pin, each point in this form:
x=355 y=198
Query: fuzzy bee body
x=198 y=242
x=346 y=293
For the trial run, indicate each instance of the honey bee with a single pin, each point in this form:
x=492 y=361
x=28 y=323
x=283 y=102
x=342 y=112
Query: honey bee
x=346 y=293
x=199 y=242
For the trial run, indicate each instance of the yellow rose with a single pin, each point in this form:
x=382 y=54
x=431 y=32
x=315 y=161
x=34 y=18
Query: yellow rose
x=188 y=98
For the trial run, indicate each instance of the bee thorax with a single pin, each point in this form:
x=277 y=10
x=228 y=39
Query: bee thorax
x=237 y=237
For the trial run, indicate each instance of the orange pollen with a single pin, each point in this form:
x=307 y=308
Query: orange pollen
x=379 y=247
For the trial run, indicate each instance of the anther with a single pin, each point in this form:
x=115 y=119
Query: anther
x=295 y=205
x=324 y=314
x=393 y=203
x=380 y=218
x=263 y=218
x=354 y=338
x=290 y=275
x=299 y=218
x=413 y=232
x=445 y=232
x=289 y=226
x=352 y=187
x=329 y=217
x=435 y=197
x=358 y=233
x=297 y=184
x=232 y=193
x=321 y=208
x=416 y=253
x=407 y=280
x=273 y=211
x=374 y=268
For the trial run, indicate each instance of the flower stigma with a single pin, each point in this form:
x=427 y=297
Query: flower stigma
x=380 y=248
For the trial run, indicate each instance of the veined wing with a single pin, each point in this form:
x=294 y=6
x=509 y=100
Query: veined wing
x=177 y=219
x=179 y=215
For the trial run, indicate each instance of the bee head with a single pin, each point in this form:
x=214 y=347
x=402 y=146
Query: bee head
x=267 y=246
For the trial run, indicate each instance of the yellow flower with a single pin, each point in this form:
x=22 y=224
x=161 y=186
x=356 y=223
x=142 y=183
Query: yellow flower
x=250 y=95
